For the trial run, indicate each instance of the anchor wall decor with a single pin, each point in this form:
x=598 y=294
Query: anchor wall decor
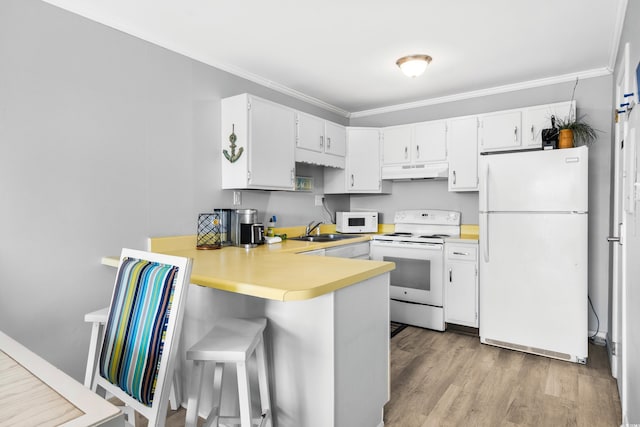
x=232 y=139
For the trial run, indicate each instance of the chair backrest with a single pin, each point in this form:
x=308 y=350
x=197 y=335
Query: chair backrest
x=140 y=343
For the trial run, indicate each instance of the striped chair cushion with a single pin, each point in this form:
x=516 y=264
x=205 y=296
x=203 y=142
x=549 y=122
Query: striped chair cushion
x=135 y=332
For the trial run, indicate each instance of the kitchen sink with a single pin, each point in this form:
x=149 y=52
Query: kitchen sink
x=325 y=237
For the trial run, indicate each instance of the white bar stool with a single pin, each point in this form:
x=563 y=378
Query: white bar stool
x=230 y=341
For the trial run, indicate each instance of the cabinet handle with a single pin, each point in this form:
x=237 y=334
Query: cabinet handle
x=450 y=276
x=406 y=152
x=461 y=253
x=515 y=133
x=352 y=181
x=417 y=151
x=321 y=141
x=328 y=143
x=454 y=177
x=532 y=133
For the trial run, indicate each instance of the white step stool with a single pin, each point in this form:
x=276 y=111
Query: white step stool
x=230 y=341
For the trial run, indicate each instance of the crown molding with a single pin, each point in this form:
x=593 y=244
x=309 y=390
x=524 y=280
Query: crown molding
x=617 y=33
x=598 y=72
x=199 y=56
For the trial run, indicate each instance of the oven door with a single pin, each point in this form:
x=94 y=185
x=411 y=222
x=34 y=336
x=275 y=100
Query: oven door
x=419 y=272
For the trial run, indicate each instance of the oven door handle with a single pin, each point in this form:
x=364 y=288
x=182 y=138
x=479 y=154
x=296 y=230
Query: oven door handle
x=433 y=247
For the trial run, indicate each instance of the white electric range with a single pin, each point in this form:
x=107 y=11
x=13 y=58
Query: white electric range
x=417 y=248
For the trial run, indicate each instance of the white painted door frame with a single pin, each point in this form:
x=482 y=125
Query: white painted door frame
x=617 y=226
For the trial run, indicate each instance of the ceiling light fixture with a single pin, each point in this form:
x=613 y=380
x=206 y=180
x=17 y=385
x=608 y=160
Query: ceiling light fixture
x=413 y=65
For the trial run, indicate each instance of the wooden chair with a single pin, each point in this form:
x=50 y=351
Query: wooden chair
x=134 y=357
x=98 y=319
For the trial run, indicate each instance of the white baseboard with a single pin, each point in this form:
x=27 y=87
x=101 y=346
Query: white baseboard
x=600 y=338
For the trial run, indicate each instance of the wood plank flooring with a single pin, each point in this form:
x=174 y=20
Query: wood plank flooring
x=450 y=379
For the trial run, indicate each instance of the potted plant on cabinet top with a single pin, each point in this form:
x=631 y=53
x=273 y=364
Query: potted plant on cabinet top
x=575 y=129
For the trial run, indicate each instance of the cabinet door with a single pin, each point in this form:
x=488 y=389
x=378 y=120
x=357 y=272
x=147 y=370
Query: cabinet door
x=397 y=144
x=429 y=142
x=335 y=139
x=271 y=152
x=462 y=142
x=500 y=131
x=363 y=160
x=535 y=119
x=310 y=132
x=460 y=293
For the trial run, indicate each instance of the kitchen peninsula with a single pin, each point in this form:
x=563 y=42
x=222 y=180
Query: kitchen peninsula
x=328 y=333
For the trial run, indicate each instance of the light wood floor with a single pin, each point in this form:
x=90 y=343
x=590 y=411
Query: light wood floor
x=450 y=379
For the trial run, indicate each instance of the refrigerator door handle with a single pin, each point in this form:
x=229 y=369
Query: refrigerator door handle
x=486 y=188
x=485 y=240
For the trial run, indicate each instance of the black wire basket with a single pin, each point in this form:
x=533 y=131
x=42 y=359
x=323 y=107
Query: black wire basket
x=209 y=231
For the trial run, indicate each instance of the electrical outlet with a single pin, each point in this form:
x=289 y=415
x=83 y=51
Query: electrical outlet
x=237 y=198
x=319 y=198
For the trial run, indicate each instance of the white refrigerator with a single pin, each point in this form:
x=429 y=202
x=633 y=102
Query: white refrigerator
x=533 y=209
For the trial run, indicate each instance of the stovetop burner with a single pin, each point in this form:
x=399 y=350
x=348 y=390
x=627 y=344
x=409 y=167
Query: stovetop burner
x=423 y=226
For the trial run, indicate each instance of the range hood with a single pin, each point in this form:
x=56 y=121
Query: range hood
x=423 y=171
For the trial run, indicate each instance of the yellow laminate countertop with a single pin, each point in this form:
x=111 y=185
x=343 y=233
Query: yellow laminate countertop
x=276 y=271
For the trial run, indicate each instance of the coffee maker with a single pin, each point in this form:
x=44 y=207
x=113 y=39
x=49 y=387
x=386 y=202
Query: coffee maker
x=245 y=229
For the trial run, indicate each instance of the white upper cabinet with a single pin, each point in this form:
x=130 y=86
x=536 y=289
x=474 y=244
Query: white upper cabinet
x=362 y=173
x=310 y=132
x=534 y=119
x=417 y=150
x=415 y=143
x=258 y=136
x=430 y=141
x=319 y=141
x=500 y=131
x=397 y=141
x=462 y=142
x=335 y=139
x=363 y=162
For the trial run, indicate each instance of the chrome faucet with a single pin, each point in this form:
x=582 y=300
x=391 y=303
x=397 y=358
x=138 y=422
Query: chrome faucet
x=311 y=227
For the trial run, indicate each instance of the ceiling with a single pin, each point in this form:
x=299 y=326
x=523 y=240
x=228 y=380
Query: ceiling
x=341 y=55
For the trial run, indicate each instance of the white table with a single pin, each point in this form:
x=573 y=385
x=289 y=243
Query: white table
x=34 y=392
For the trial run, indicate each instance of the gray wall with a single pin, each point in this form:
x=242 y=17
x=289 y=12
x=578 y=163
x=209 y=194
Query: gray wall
x=105 y=140
x=593 y=98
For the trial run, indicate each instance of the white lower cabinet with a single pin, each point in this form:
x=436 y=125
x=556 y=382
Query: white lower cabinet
x=461 y=284
x=358 y=250
x=315 y=252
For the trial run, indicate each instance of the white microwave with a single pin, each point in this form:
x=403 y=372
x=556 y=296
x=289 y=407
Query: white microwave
x=357 y=222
